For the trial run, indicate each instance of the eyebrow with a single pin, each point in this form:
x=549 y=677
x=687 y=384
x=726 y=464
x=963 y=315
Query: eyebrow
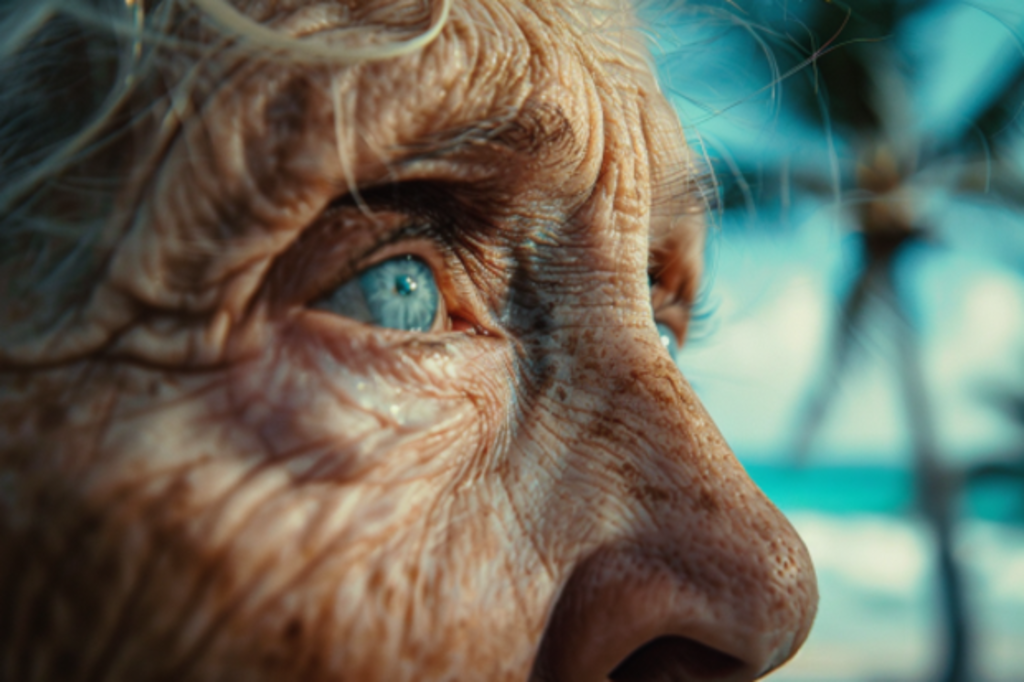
x=679 y=198
x=529 y=130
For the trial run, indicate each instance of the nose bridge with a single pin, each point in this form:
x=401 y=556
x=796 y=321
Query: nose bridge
x=733 y=573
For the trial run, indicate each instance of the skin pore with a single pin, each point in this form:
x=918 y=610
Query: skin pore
x=207 y=475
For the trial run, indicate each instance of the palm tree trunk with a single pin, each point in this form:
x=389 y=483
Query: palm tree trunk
x=936 y=495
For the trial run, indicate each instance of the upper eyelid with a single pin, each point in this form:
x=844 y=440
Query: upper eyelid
x=672 y=303
x=377 y=252
x=404 y=244
x=338 y=244
x=346 y=238
x=656 y=285
x=434 y=211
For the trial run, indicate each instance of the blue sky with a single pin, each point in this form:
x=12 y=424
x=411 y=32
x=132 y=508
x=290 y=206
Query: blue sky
x=775 y=287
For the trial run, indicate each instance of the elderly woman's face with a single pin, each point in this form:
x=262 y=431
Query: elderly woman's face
x=370 y=388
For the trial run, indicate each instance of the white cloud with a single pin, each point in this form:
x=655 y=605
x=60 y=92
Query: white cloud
x=752 y=373
x=777 y=306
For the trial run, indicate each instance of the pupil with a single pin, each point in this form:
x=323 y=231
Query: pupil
x=405 y=285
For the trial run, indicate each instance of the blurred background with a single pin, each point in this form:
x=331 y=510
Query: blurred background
x=860 y=335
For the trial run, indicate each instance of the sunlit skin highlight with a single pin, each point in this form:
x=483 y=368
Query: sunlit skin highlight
x=207 y=477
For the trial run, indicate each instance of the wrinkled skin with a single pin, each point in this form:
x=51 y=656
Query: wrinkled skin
x=206 y=478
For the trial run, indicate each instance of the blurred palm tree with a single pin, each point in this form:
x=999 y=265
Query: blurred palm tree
x=848 y=79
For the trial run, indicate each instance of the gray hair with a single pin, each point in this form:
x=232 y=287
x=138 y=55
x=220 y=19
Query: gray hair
x=41 y=131
x=76 y=79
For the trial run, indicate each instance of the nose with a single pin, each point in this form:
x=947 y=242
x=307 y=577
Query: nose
x=702 y=577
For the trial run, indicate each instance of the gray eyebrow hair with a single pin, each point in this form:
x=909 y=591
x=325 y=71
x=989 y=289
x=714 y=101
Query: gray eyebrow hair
x=528 y=130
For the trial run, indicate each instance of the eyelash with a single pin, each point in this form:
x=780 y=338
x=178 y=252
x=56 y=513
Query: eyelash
x=428 y=221
x=701 y=318
x=696 y=315
x=381 y=250
x=415 y=239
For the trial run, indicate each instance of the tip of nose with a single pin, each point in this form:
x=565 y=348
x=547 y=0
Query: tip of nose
x=622 y=620
x=796 y=588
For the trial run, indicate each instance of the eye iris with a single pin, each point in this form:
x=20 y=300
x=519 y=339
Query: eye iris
x=401 y=294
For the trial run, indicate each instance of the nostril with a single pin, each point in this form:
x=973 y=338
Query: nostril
x=675 y=659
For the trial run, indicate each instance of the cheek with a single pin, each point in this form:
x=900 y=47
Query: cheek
x=340 y=402
x=312 y=490
x=330 y=416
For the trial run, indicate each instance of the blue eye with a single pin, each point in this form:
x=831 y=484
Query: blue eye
x=668 y=339
x=399 y=293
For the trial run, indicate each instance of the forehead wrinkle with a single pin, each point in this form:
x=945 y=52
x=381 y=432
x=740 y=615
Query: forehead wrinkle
x=678 y=189
x=677 y=206
x=497 y=52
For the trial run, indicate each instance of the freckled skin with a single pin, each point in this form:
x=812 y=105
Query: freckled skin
x=203 y=478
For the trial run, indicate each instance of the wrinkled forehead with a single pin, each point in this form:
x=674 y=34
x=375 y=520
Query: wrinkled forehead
x=561 y=86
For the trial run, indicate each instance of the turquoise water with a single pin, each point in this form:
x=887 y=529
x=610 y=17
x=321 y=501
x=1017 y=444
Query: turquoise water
x=876 y=490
